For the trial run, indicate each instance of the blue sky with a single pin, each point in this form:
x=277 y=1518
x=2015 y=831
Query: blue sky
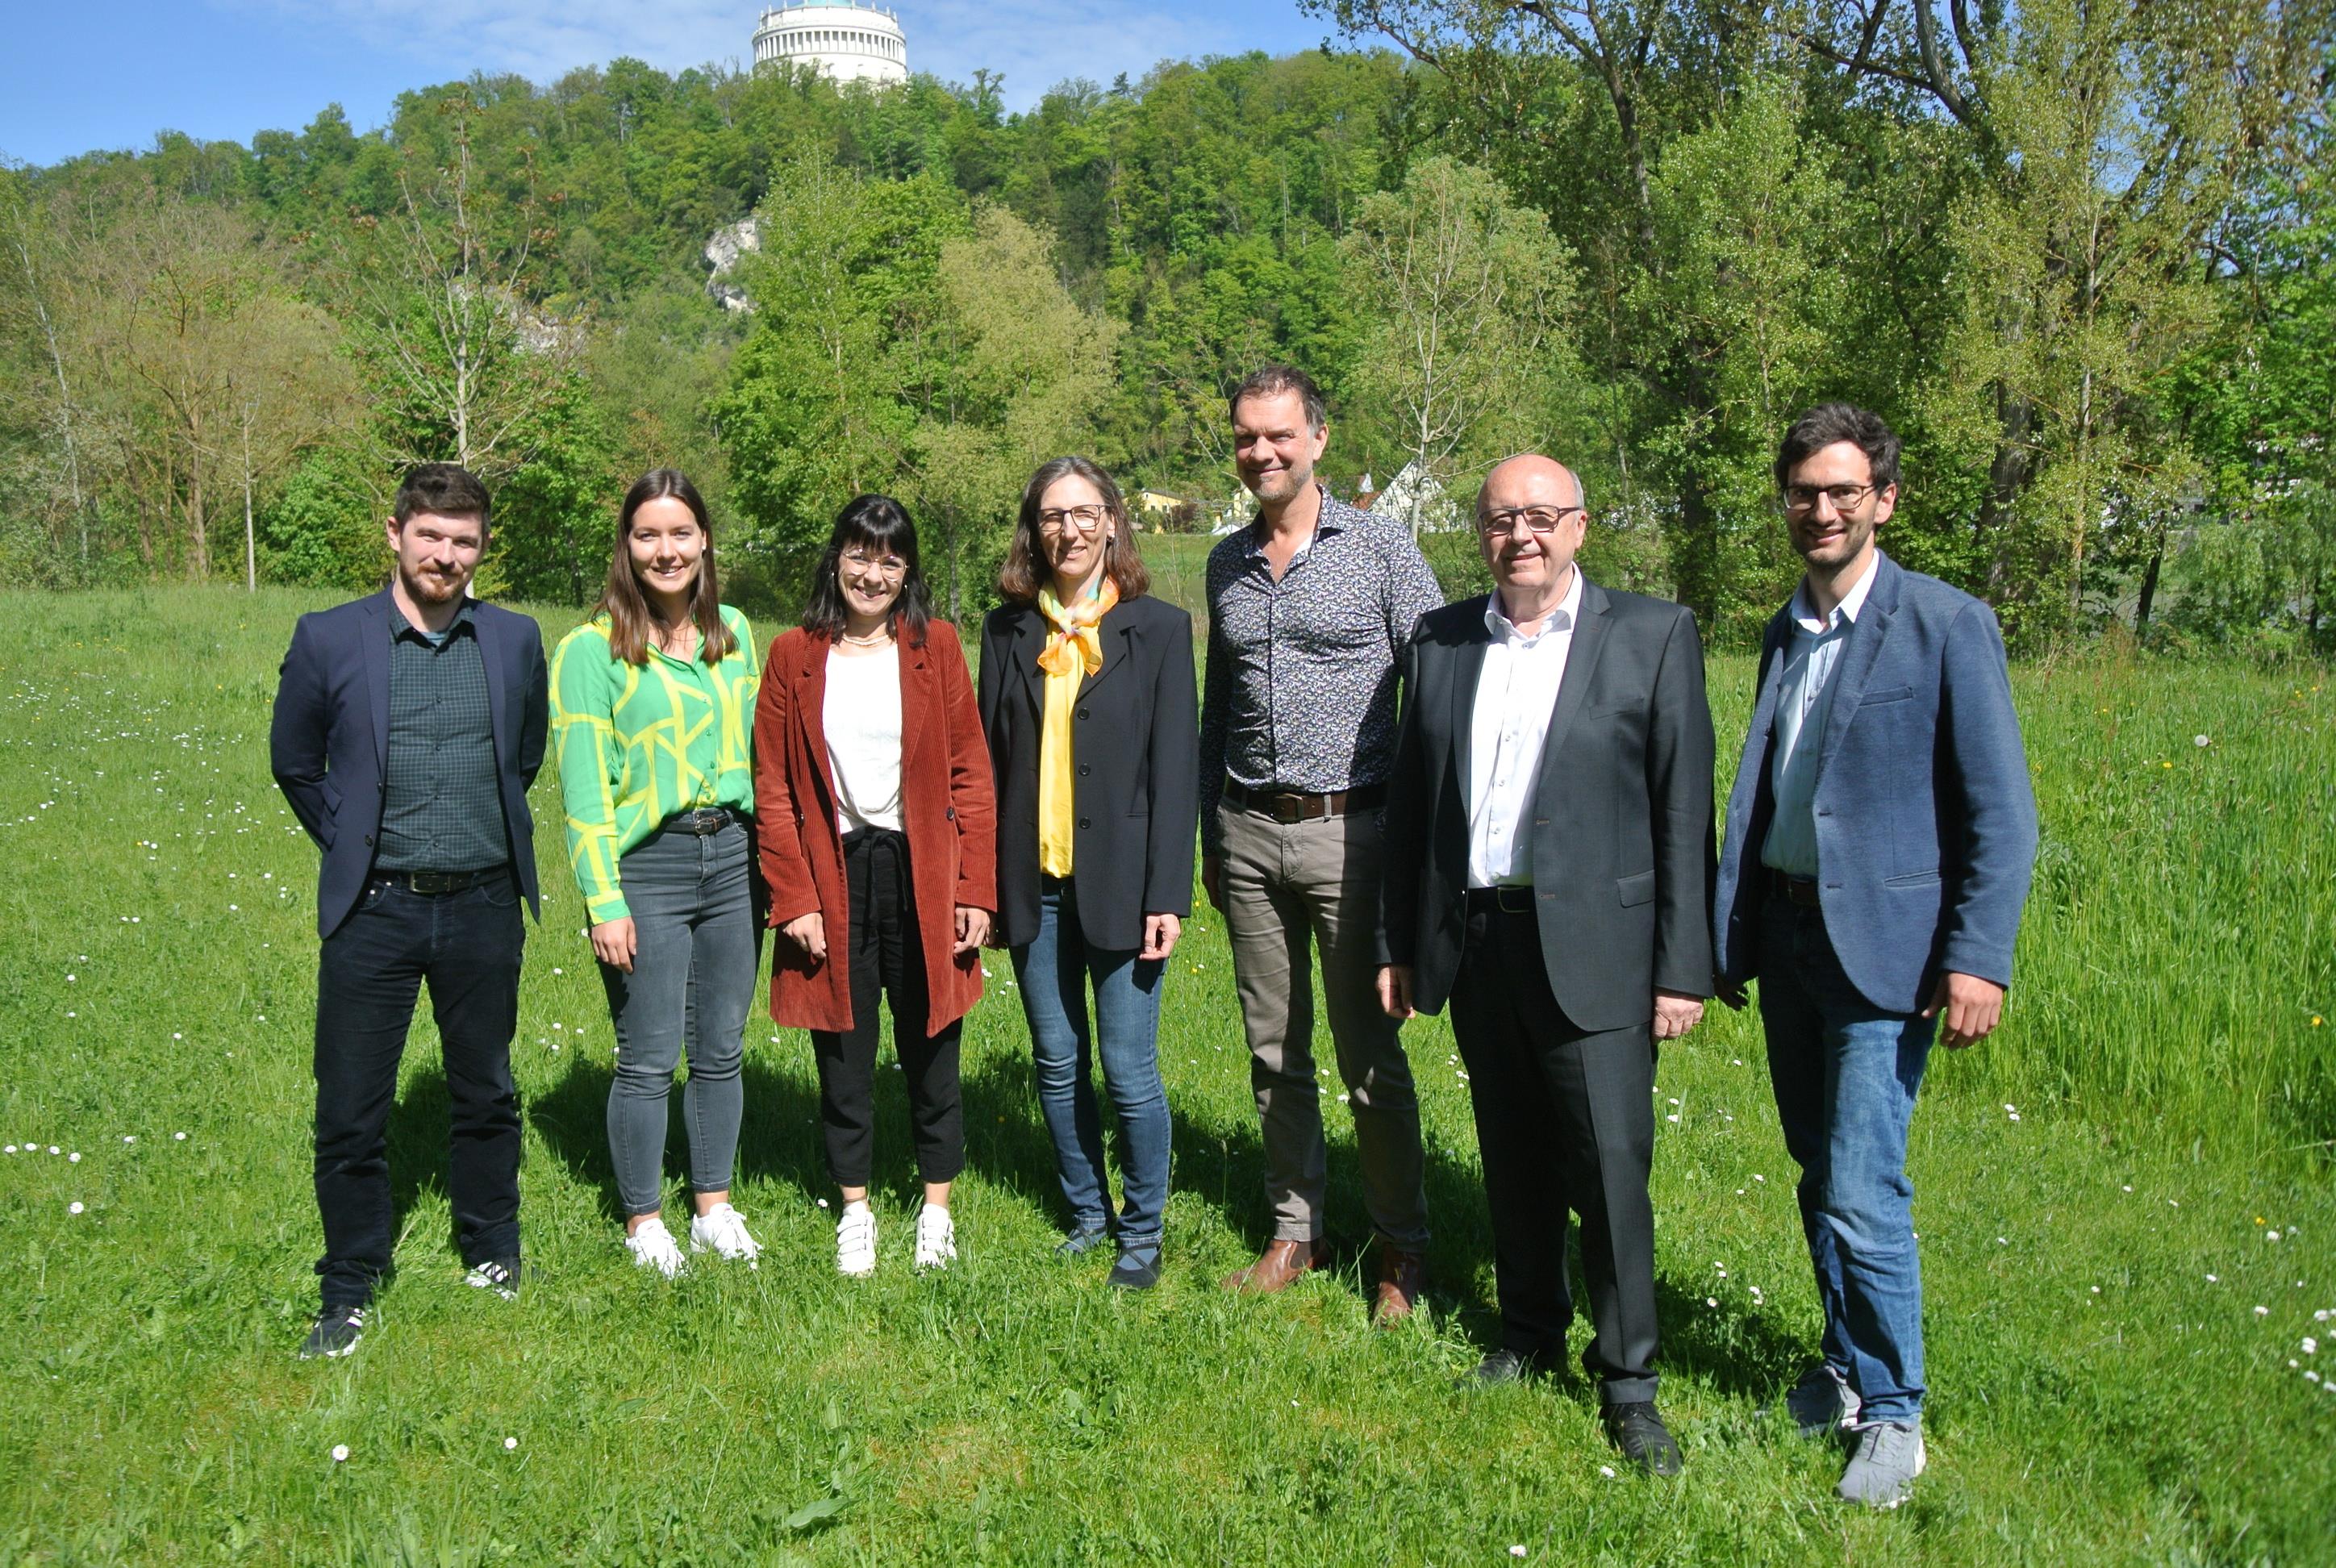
x=113 y=73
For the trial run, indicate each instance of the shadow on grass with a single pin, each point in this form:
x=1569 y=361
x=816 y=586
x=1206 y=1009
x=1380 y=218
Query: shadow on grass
x=421 y=1124
x=1741 y=1354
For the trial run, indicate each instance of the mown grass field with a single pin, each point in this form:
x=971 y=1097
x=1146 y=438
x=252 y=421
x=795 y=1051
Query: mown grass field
x=2125 y=1202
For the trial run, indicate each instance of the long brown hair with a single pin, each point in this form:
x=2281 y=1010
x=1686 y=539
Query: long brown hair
x=630 y=623
x=1026 y=570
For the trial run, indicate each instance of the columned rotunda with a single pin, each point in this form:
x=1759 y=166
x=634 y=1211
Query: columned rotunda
x=845 y=40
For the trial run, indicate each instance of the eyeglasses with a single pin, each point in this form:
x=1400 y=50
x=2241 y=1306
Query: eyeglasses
x=1086 y=519
x=889 y=565
x=1540 y=519
x=1845 y=497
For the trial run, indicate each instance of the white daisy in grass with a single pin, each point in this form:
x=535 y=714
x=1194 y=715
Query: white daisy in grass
x=340 y=1453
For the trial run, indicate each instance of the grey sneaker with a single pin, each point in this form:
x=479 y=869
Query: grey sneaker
x=1822 y=1403
x=1882 y=1464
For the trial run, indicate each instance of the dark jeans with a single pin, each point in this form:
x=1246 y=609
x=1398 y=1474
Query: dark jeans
x=467 y=945
x=1053 y=970
x=1564 y=1121
x=1845 y=1074
x=696 y=952
x=885 y=957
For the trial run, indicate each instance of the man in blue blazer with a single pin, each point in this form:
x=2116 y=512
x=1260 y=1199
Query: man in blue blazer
x=1880 y=839
x=408 y=726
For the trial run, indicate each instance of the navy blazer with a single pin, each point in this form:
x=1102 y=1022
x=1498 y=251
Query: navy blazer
x=1621 y=836
x=1137 y=791
x=1925 y=820
x=328 y=745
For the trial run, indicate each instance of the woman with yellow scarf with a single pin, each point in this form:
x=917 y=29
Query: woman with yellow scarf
x=1088 y=701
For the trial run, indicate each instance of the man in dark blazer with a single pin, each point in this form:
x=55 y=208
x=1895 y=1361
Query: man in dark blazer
x=1880 y=837
x=1549 y=829
x=408 y=727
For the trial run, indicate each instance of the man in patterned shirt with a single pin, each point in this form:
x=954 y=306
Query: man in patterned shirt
x=408 y=726
x=1309 y=609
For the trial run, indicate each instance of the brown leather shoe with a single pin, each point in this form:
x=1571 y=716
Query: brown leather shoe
x=1278 y=1267
x=1402 y=1276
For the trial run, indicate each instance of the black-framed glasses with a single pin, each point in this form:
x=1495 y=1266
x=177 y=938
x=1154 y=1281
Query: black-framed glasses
x=1540 y=519
x=1086 y=519
x=1845 y=497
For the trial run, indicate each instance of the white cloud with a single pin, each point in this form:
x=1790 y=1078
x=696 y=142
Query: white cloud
x=1034 y=44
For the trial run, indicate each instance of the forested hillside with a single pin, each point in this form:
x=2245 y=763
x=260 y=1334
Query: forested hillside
x=2078 y=250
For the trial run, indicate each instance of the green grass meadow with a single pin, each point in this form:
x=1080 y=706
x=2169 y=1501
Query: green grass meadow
x=2125 y=1201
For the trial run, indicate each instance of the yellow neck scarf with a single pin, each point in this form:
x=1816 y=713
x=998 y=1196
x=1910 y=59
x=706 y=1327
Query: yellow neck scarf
x=1073 y=652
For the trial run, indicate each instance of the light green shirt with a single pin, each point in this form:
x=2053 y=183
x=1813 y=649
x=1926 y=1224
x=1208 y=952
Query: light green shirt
x=639 y=743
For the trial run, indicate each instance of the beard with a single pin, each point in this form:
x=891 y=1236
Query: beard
x=427 y=586
x=1280 y=485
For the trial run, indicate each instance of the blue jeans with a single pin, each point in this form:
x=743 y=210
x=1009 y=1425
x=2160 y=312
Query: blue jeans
x=1845 y=1073
x=1053 y=970
x=695 y=964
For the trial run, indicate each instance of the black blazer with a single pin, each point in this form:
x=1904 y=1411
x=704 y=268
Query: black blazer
x=1621 y=835
x=1137 y=755
x=328 y=745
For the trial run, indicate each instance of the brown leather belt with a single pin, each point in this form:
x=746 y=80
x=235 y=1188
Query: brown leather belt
x=1801 y=890
x=1294 y=806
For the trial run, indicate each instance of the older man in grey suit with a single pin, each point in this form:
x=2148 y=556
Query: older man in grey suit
x=1549 y=857
x=1880 y=839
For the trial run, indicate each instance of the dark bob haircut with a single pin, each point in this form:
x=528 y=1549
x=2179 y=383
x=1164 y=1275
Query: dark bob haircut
x=444 y=489
x=631 y=622
x=879 y=525
x=1026 y=570
x=1828 y=422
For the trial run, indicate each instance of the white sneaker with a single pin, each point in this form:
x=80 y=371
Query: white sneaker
x=653 y=1247
x=855 y=1241
x=721 y=1229
x=936 y=1238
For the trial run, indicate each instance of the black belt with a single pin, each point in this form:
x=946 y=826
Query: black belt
x=703 y=821
x=1516 y=899
x=1801 y=890
x=1296 y=807
x=433 y=883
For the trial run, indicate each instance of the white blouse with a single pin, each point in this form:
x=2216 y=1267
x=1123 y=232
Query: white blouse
x=861 y=718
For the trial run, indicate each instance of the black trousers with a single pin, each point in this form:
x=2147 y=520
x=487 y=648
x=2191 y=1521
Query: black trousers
x=1565 y=1121
x=369 y=974
x=885 y=957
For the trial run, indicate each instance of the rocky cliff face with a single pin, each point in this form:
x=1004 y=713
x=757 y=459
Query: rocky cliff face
x=722 y=254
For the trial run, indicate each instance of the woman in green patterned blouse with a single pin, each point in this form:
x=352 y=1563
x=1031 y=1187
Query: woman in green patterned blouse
x=652 y=707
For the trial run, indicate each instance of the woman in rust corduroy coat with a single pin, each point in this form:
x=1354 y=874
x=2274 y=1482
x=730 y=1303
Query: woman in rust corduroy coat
x=877 y=830
x=945 y=800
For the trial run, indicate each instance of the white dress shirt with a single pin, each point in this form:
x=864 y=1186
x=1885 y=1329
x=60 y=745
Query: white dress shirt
x=862 y=720
x=1516 y=694
x=1803 y=699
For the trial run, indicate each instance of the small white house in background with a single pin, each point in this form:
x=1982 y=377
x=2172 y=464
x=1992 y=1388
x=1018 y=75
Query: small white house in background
x=1419 y=502
x=843 y=41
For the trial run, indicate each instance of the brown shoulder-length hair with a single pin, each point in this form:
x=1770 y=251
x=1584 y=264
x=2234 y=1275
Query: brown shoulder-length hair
x=630 y=621
x=1026 y=570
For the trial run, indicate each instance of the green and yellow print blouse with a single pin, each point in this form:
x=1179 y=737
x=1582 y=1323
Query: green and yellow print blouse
x=639 y=743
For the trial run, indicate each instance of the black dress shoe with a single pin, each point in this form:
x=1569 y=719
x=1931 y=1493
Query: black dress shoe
x=1638 y=1432
x=1507 y=1366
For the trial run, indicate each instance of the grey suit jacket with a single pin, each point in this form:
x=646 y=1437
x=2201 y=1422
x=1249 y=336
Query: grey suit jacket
x=1621 y=835
x=1926 y=823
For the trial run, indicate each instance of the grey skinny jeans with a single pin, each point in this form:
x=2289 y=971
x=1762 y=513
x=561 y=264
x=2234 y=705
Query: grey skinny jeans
x=697 y=953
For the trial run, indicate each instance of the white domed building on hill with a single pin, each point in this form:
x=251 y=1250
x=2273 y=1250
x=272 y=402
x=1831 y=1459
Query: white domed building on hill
x=844 y=41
